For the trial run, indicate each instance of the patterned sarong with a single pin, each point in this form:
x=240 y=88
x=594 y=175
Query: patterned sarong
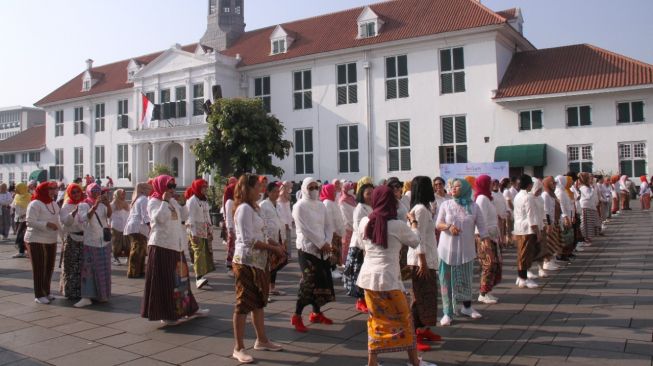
x=389 y=325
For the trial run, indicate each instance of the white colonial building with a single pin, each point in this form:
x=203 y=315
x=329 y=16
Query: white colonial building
x=394 y=88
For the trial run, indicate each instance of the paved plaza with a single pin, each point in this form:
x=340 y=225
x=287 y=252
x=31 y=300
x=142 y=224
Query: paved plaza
x=596 y=311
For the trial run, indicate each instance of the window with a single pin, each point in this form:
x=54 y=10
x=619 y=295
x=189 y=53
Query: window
x=56 y=171
x=579 y=158
x=454 y=140
x=123 y=161
x=175 y=167
x=123 y=114
x=180 y=95
x=32 y=157
x=164 y=101
x=347 y=87
x=99 y=117
x=150 y=158
x=632 y=158
x=58 y=123
x=452 y=70
x=396 y=77
x=579 y=116
x=86 y=86
x=12 y=178
x=530 y=120
x=629 y=112
x=24 y=157
x=367 y=29
x=303 y=97
x=79 y=120
x=23 y=177
x=198 y=99
x=10 y=159
x=348 y=149
x=78 y=168
x=304 y=151
x=278 y=46
x=398 y=146
x=262 y=91
x=99 y=162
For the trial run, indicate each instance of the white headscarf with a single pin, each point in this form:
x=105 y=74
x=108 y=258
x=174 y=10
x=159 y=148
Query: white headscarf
x=537 y=185
x=305 y=194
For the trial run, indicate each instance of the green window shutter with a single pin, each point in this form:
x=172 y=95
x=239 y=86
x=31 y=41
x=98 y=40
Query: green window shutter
x=353 y=162
x=342 y=138
x=402 y=63
x=441 y=153
x=525 y=121
x=342 y=94
x=626 y=167
x=461 y=154
x=353 y=137
x=638 y=111
x=574 y=167
x=258 y=86
x=390 y=67
x=587 y=167
x=391 y=89
x=585 y=116
x=297 y=84
x=351 y=73
x=458 y=59
x=393 y=134
x=404 y=133
x=342 y=74
x=536 y=119
x=461 y=129
x=353 y=93
x=445 y=60
x=459 y=81
x=572 y=116
x=308 y=99
x=640 y=168
x=623 y=112
x=403 y=88
x=393 y=160
x=446 y=81
x=266 y=85
x=307 y=79
x=299 y=141
x=344 y=162
x=405 y=159
x=308 y=140
x=447 y=130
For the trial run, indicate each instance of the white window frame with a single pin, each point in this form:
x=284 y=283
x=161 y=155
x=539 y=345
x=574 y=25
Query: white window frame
x=306 y=93
x=453 y=72
x=122 y=161
x=349 y=151
x=630 y=112
x=452 y=148
x=304 y=154
x=123 y=114
x=530 y=119
x=78 y=162
x=365 y=31
x=100 y=114
x=397 y=79
x=100 y=169
x=400 y=148
x=578 y=107
x=58 y=123
x=633 y=155
x=349 y=88
x=58 y=163
x=78 y=120
x=198 y=100
x=278 y=46
x=180 y=102
x=580 y=154
x=263 y=96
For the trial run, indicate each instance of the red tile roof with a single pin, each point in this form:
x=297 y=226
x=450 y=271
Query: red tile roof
x=111 y=77
x=31 y=139
x=508 y=13
x=571 y=69
x=403 y=19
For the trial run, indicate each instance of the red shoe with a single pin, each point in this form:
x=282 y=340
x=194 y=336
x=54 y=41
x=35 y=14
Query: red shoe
x=320 y=318
x=427 y=335
x=422 y=347
x=298 y=323
x=361 y=306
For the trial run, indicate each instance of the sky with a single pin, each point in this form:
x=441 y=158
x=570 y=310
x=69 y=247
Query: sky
x=45 y=43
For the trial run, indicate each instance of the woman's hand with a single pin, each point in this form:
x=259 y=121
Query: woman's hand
x=167 y=196
x=423 y=270
x=455 y=231
x=52 y=226
x=410 y=216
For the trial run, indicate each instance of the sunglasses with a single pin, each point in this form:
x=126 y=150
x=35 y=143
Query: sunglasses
x=396 y=186
x=313 y=188
x=171 y=185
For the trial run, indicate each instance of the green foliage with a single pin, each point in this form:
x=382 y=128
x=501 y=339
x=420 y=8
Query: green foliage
x=241 y=137
x=216 y=192
x=159 y=169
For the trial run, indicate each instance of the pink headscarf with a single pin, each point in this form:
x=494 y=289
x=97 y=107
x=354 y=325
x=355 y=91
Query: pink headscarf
x=328 y=192
x=346 y=197
x=483 y=186
x=89 y=196
x=160 y=185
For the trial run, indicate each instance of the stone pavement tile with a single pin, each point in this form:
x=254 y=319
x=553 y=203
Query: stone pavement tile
x=597 y=357
x=10 y=324
x=28 y=362
x=54 y=321
x=34 y=316
x=315 y=342
x=103 y=318
x=136 y=326
x=181 y=334
x=523 y=361
x=74 y=327
x=493 y=348
x=289 y=355
x=542 y=337
x=639 y=347
x=7 y=357
x=220 y=344
x=122 y=340
x=210 y=360
x=97 y=333
x=621 y=333
x=100 y=356
x=27 y=336
x=146 y=361
x=178 y=355
x=148 y=347
x=55 y=347
x=481 y=360
x=544 y=351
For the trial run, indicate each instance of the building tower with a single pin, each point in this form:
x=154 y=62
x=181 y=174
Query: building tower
x=225 y=23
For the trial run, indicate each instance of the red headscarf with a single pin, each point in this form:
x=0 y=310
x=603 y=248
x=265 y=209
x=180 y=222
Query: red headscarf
x=196 y=189
x=69 y=194
x=643 y=179
x=483 y=186
x=346 y=197
x=384 y=206
x=228 y=193
x=41 y=192
x=89 y=196
x=160 y=185
x=328 y=192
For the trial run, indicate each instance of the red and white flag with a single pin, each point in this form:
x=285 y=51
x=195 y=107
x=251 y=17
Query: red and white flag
x=147 y=110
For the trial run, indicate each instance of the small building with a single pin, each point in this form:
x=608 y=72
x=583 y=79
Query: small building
x=21 y=154
x=15 y=119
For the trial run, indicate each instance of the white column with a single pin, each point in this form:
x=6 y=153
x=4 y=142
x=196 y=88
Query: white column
x=186 y=162
x=156 y=149
x=137 y=167
x=133 y=163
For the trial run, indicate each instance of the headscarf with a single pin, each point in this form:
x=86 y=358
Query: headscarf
x=568 y=183
x=195 y=189
x=345 y=197
x=68 y=198
x=483 y=186
x=285 y=191
x=160 y=185
x=406 y=187
x=585 y=178
x=335 y=182
x=363 y=181
x=328 y=192
x=41 y=192
x=642 y=178
x=118 y=202
x=614 y=179
x=623 y=179
x=22 y=197
x=537 y=185
x=305 y=183
x=472 y=182
x=89 y=190
x=464 y=197
x=549 y=186
x=384 y=208
x=228 y=194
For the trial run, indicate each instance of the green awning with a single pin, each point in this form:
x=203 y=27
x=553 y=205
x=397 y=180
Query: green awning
x=39 y=175
x=521 y=155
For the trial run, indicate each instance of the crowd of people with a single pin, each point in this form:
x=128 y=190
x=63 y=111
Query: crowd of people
x=429 y=233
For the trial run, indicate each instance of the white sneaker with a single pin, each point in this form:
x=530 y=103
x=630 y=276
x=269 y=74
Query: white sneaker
x=551 y=266
x=335 y=274
x=470 y=312
x=531 y=284
x=42 y=300
x=531 y=275
x=116 y=262
x=542 y=273
x=201 y=282
x=580 y=249
x=270 y=346
x=487 y=299
x=445 y=321
x=51 y=297
x=242 y=357
x=85 y=301
x=201 y=313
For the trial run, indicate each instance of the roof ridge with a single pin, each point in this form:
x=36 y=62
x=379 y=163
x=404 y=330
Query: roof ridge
x=141 y=56
x=619 y=55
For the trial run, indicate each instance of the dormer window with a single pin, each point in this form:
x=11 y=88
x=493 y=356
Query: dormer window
x=86 y=85
x=130 y=75
x=280 y=41
x=369 y=23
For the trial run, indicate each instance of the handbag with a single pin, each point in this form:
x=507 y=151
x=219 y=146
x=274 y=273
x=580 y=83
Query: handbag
x=106 y=232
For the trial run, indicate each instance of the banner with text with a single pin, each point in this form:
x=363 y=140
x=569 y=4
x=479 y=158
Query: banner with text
x=495 y=170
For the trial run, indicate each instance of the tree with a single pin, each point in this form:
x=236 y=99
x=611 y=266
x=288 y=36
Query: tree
x=241 y=137
x=159 y=169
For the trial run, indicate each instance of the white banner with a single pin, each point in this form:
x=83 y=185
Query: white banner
x=495 y=170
